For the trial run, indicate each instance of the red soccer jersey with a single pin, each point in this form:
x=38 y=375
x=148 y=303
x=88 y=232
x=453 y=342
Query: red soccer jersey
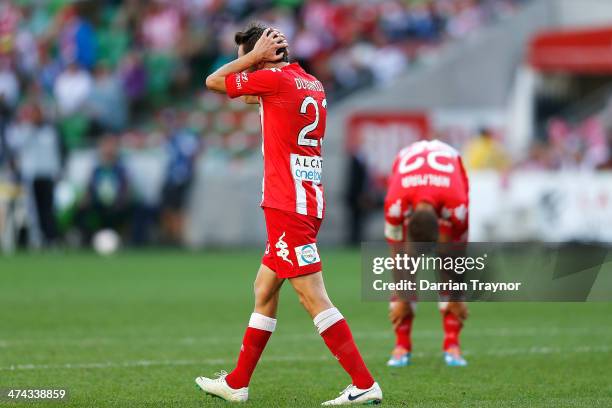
x=432 y=172
x=293 y=111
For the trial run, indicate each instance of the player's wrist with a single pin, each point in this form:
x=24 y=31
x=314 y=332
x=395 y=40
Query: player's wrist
x=254 y=57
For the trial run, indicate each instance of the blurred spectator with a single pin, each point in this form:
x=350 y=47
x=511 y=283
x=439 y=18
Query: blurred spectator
x=162 y=26
x=106 y=103
x=10 y=17
x=582 y=146
x=9 y=86
x=607 y=165
x=36 y=147
x=50 y=69
x=107 y=200
x=133 y=77
x=539 y=158
x=483 y=152
x=182 y=146
x=77 y=38
x=363 y=196
x=72 y=88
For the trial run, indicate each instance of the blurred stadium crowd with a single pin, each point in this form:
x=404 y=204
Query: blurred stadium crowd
x=564 y=145
x=129 y=75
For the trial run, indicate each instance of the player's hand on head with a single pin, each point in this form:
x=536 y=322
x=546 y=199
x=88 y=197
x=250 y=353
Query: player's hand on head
x=280 y=36
x=268 y=44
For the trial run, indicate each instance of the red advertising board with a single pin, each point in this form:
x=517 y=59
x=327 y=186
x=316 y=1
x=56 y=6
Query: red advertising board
x=578 y=51
x=378 y=136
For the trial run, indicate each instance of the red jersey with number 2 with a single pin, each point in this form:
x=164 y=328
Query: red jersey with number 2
x=293 y=111
x=432 y=172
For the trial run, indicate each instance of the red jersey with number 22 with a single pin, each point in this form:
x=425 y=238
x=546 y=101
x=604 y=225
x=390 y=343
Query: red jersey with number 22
x=293 y=111
x=432 y=172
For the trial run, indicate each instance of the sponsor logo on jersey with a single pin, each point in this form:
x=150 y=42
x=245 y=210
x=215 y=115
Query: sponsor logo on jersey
x=307 y=168
x=307 y=254
x=283 y=252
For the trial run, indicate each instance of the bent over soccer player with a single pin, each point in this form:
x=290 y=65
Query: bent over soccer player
x=293 y=112
x=427 y=201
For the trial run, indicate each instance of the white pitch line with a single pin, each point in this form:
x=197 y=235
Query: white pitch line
x=222 y=361
x=280 y=337
x=151 y=363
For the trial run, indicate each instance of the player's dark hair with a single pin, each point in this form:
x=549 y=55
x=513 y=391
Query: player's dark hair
x=423 y=226
x=251 y=34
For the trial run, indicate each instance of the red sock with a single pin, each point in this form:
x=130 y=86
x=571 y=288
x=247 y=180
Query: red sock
x=403 y=334
x=253 y=344
x=339 y=339
x=452 y=328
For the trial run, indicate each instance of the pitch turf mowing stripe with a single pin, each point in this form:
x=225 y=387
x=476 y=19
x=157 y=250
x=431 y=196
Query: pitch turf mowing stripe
x=426 y=334
x=280 y=359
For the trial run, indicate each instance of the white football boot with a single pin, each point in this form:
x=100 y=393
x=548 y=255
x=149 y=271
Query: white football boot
x=354 y=395
x=218 y=387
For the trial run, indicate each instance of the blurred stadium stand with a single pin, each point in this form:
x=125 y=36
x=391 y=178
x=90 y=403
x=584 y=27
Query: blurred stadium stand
x=464 y=67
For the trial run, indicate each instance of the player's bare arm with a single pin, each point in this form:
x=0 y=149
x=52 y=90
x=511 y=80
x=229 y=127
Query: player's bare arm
x=400 y=308
x=459 y=309
x=250 y=100
x=265 y=50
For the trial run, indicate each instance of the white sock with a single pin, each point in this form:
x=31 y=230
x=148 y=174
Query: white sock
x=261 y=322
x=327 y=318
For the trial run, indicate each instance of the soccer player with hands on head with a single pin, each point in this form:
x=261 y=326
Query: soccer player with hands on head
x=293 y=113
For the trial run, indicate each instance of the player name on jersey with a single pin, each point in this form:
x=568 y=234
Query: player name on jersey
x=301 y=83
x=433 y=180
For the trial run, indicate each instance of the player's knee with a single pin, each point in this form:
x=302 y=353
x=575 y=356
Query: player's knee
x=304 y=299
x=263 y=294
x=314 y=301
x=458 y=309
x=408 y=308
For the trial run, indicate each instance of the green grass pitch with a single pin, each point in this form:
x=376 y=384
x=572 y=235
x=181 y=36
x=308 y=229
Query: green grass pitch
x=135 y=329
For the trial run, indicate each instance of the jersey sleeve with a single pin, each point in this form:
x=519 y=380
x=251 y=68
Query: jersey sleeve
x=264 y=82
x=393 y=171
x=456 y=227
x=394 y=221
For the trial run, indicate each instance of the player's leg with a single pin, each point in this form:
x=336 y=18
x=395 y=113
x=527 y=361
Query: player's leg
x=234 y=386
x=401 y=314
x=453 y=316
x=454 y=313
x=338 y=337
x=261 y=325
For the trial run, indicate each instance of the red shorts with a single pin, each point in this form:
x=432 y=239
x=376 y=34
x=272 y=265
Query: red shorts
x=291 y=249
